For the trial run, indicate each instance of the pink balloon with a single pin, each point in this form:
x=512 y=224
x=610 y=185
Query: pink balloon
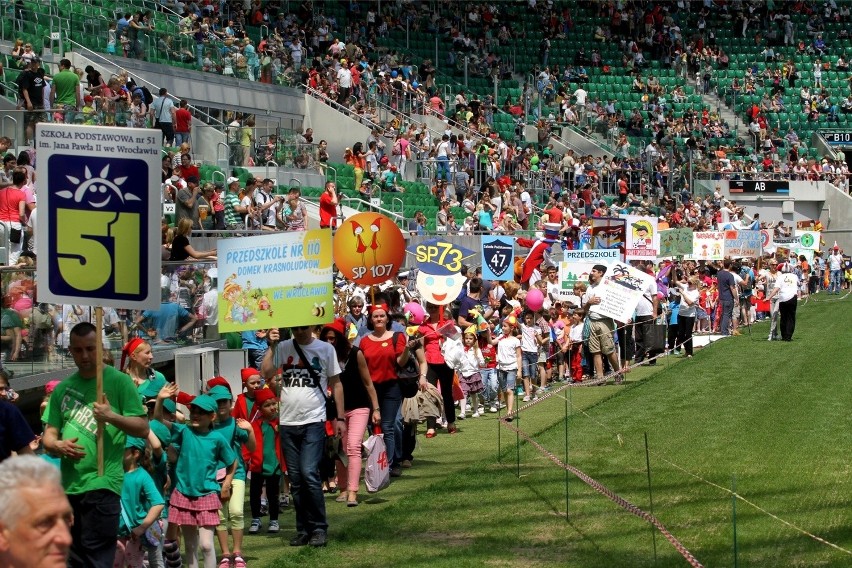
x=535 y=299
x=418 y=314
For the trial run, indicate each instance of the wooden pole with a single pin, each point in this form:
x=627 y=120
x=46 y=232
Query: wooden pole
x=99 y=354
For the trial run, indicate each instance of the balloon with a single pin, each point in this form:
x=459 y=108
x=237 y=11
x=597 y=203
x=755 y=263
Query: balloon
x=534 y=168
x=416 y=311
x=394 y=74
x=535 y=299
x=415 y=84
x=534 y=160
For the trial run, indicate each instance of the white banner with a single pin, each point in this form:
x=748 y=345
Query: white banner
x=643 y=238
x=620 y=291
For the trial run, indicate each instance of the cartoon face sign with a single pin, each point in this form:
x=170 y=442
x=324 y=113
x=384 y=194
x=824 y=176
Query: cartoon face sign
x=439 y=290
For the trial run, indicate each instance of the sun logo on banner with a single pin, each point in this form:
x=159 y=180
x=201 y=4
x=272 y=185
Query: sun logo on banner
x=97 y=187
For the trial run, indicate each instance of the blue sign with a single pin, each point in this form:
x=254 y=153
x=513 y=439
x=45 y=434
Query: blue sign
x=101 y=203
x=498 y=254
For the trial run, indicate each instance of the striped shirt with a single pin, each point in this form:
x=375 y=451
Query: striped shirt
x=232 y=201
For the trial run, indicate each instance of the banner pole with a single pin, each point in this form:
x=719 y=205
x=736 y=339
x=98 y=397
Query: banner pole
x=99 y=396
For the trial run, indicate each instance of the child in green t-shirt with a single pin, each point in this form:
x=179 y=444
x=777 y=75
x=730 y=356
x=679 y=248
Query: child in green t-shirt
x=197 y=495
x=141 y=505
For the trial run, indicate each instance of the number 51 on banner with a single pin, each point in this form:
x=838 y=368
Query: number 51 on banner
x=99 y=193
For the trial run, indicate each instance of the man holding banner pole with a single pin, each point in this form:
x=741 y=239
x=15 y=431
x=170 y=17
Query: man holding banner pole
x=73 y=417
x=600 y=342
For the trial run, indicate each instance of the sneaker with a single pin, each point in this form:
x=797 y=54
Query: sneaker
x=301 y=539
x=239 y=561
x=475 y=414
x=493 y=409
x=526 y=398
x=405 y=464
x=769 y=338
x=395 y=471
x=481 y=409
x=318 y=539
x=255 y=526
x=273 y=527
x=460 y=416
x=284 y=501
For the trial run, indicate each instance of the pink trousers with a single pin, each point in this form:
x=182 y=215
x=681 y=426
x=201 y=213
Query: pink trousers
x=348 y=478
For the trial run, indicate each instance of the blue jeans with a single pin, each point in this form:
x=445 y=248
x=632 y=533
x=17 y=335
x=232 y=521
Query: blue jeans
x=443 y=168
x=398 y=437
x=529 y=360
x=489 y=379
x=727 y=316
x=390 y=401
x=181 y=137
x=303 y=447
x=834 y=284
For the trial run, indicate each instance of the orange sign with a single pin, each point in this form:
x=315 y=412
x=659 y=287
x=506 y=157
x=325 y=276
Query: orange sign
x=368 y=248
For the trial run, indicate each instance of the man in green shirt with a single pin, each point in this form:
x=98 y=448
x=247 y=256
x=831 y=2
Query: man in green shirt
x=65 y=91
x=73 y=415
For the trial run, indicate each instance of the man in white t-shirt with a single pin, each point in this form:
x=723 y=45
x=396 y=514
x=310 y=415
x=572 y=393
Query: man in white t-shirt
x=600 y=341
x=646 y=312
x=302 y=390
x=786 y=288
x=835 y=268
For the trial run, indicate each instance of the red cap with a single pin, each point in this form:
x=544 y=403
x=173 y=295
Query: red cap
x=262 y=395
x=338 y=325
x=218 y=381
x=248 y=373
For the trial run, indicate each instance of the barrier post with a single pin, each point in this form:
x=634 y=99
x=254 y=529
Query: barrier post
x=650 y=496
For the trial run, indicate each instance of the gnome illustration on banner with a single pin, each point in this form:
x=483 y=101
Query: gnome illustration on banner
x=539 y=253
x=439 y=263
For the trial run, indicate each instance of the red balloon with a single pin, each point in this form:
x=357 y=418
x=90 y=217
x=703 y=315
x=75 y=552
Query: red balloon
x=535 y=299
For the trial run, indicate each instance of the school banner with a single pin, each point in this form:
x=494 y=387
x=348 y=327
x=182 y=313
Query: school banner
x=620 y=291
x=577 y=264
x=708 y=245
x=276 y=280
x=643 y=238
x=739 y=244
x=675 y=242
x=99 y=222
x=809 y=240
x=608 y=233
x=498 y=258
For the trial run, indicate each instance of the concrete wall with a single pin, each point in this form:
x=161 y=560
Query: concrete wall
x=334 y=127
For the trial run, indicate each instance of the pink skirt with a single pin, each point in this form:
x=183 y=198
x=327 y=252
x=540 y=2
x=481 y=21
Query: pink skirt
x=472 y=384
x=194 y=511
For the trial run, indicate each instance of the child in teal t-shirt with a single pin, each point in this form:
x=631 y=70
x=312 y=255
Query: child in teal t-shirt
x=141 y=506
x=195 y=501
x=238 y=434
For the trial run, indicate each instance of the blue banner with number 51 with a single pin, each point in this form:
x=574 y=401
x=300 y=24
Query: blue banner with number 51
x=498 y=254
x=99 y=215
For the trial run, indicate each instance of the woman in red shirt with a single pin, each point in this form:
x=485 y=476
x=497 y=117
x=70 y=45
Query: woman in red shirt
x=13 y=203
x=385 y=352
x=437 y=370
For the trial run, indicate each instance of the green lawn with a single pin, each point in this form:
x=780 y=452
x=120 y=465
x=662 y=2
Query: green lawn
x=775 y=415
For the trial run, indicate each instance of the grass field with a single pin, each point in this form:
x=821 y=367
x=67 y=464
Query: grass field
x=773 y=415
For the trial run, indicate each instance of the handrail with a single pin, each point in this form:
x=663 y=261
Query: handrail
x=401 y=204
x=339 y=107
x=209 y=119
x=398 y=219
x=327 y=167
x=277 y=170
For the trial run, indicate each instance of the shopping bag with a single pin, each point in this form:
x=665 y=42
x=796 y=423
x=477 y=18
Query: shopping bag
x=377 y=471
x=655 y=336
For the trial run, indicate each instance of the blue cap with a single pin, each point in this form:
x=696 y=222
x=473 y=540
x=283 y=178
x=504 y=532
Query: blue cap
x=219 y=392
x=134 y=442
x=205 y=402
x=153 y=387
x=439 y=257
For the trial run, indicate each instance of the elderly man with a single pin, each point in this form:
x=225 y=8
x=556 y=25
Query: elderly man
x=35 y=515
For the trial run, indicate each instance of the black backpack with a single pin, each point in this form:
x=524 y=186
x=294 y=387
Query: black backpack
x=147 y=97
